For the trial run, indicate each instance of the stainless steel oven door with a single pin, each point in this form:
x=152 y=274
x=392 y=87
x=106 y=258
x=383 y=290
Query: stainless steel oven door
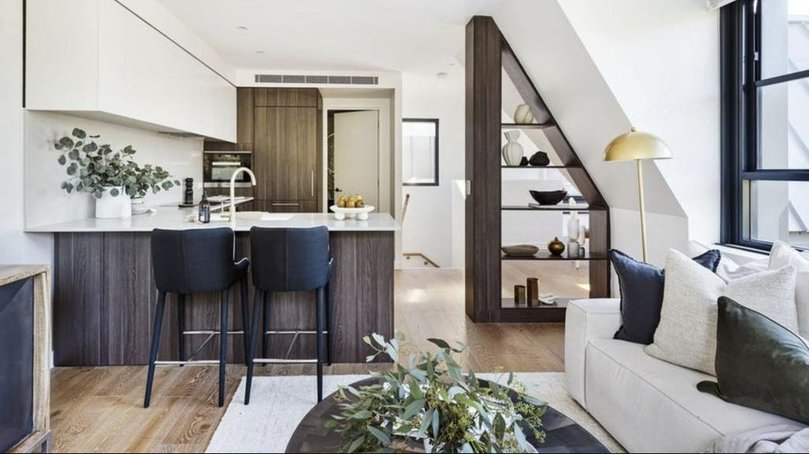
x=218 y=167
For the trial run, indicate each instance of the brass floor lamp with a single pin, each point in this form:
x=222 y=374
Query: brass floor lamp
x=638 y=146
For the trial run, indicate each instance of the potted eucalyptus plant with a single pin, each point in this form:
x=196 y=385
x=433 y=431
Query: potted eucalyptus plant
x=147 y=179
x=426 y=403
x=112 y=177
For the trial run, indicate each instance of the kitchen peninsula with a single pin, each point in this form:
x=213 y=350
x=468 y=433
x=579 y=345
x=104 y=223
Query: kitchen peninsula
x=104 y=294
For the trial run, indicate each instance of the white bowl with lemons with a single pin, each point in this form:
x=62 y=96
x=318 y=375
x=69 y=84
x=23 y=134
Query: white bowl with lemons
x=351 y=207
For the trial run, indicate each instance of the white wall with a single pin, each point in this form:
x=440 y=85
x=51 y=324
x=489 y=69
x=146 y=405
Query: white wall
x=590 y=113
x=16 y=247
x=46 y=203
x=432 y=225
x=660 y=59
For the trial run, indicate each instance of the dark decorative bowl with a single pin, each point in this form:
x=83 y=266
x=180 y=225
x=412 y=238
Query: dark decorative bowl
x=548 y=197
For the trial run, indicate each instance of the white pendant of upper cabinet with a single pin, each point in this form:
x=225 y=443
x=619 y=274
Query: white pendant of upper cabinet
x=97 y=59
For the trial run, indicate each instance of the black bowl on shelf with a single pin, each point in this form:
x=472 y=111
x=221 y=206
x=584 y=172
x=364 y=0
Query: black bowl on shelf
x=548 y=197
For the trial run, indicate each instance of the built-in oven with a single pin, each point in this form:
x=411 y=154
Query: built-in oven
x=218 y=167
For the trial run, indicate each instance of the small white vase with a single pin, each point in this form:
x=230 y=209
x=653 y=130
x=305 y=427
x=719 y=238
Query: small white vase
x=111 y=207
x=138 y=206
x=573 y=224
x=512 y=150
x=523 y=114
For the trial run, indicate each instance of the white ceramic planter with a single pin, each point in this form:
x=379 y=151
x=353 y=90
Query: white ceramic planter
x=111 y=207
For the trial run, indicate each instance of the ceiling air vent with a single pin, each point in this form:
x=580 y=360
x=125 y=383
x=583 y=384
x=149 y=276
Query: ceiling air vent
x=320 y=80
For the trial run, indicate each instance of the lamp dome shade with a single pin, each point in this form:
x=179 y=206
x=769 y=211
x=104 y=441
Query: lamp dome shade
x=636 y=145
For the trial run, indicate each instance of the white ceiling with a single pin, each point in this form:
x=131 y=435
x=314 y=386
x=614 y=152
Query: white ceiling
x=338 y=35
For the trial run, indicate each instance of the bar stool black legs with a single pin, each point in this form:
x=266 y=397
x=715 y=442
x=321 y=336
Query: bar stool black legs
x=196 y=261
x=223 y=344
x=158 y=323
x=181 y=326
x=290 y=260
x=321 y=316
x=258 y=306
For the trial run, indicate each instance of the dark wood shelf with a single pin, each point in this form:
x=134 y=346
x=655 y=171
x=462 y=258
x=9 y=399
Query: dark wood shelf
x=546 y=256
x=560 y=207
x=489 y=61
x=560 y=303
x=527 y=125
x=542 y=167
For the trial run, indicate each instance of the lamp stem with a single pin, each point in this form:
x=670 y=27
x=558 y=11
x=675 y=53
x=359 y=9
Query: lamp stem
x=642 y=211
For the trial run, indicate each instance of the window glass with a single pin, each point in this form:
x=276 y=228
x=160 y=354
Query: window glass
x=777 y=210
x=420 y=153
x=784 y=37
x=783 y=126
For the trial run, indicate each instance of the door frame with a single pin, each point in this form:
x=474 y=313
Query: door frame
x=384 y=134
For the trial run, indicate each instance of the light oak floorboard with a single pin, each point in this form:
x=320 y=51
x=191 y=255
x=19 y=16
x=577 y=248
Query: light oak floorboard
x=100 y=409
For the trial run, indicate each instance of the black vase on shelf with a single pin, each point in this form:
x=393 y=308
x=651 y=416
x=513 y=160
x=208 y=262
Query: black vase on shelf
x=524 y=162
x=539 y=159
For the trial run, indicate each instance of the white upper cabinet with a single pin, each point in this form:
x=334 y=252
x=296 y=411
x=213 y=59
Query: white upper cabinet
x=96 y=58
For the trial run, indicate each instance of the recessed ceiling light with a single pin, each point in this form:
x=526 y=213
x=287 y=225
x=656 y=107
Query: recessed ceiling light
x=441 y=75
x=242 y=28
x=259 y=51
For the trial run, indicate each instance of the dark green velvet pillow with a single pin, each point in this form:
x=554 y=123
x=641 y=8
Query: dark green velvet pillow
x=759 y=363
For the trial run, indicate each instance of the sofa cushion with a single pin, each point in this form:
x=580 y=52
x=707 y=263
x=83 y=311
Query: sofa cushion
x=728 y=269
x=650 y=405
x=759 y=363
x=686 y=335
x=782 y=255
x=641 y=287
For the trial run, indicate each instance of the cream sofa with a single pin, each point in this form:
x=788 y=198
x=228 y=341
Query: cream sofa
x=648 y=405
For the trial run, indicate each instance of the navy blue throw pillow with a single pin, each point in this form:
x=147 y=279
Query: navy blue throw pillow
x=642 y=294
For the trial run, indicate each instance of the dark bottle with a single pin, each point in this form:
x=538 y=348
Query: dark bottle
x=204 y=209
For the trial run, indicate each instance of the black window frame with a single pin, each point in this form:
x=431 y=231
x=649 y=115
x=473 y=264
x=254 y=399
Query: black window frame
x=740 y=68
x=437 y=180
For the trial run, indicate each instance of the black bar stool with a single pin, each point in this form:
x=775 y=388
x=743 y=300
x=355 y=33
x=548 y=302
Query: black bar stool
x=288 y=260
x=196 y=261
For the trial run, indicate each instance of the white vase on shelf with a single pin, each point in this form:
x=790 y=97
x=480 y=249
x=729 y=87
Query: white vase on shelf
x=512 y=150
x=523 y=115
x=573 y=225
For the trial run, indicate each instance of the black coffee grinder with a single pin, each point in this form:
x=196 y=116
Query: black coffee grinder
x=188 y=200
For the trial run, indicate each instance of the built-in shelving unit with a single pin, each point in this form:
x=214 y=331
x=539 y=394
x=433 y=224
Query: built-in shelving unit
x=489 y=60
x=527 y=125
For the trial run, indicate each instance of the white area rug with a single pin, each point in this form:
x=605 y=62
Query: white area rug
x=278 y=404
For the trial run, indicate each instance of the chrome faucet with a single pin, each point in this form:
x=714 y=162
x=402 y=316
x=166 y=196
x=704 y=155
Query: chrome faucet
x=233 y=190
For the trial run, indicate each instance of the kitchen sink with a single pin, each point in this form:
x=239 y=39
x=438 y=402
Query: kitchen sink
x=252 y=216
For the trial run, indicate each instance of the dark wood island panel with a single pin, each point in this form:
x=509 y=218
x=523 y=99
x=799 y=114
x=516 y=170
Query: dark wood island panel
x=104 y=302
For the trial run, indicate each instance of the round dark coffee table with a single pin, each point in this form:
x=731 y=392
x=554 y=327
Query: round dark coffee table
x=561 y=433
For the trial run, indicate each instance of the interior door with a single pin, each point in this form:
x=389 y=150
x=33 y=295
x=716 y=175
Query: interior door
x=356 y=154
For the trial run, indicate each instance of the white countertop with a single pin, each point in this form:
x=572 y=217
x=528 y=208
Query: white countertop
x=175 y=218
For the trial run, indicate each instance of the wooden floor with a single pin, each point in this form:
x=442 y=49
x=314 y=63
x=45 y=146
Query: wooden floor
x=100 y=409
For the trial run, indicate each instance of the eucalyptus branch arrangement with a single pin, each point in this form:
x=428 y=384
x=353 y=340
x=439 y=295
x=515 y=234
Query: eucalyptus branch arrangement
x=428 y=398
x=94 y=168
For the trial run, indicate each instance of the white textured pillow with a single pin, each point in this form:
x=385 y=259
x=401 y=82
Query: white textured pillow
x=729 y=270
x=686 y=335
x=782 y=255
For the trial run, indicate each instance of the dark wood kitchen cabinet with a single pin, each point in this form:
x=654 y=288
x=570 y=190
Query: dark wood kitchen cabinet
x=287 y=151
x=287 y=97
x=283 y=128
